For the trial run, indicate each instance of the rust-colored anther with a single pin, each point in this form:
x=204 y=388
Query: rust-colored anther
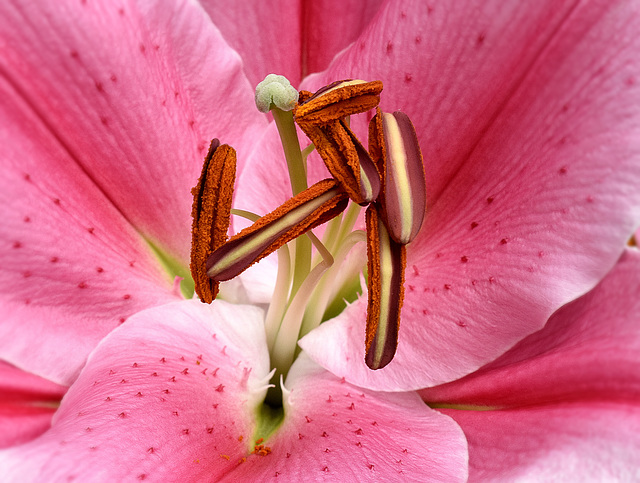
x=346 y=159
x=314 y=206
x=386 y=261
x=211 y=213
x=337 y=101
x=394 y=147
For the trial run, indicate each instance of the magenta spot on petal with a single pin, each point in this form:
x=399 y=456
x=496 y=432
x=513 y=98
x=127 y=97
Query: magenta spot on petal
x=215 y=405
x=330 y=399
x=473 y=225
x=447 y=286
x=54 y=259
x=151 y=450
x=480 y=39
x=415 y=271
x=126 y=297
x=143 y=49
x=108 y=398
x=370 y=466
x=220 y=388
x=74 y=54
x=82 y=285
x=104 y=120
x=88 y=430
x=215 y=372
x=99 y=269
x=492 y=279
x=142 y=476
x=155 y=374
x=464 y=259
x=91 y=229
x=132 y=263
x=300 y=436
x=589 y=199
x=185 y=371
x=122 y=415
x=123 y=381
x=111 y=372
x=425 y=312
x=504 y=241
x=191 y=123
x=166 y=391
x=461 y=323
x=351 y=407
x=474 y=282
x=27 y=301
x=56 y=201
x=324 y=434
x=122 y=319
x=17 y=244
x=408 y=77
x=99 y=86
x=113 y=78
x=209 y=430
x=26 y=219
x=490 y=200
x=175 y=413
x=418 y=39
x=359 y=444
x=201 y=147
x=358 y=431
x=563 y=170
x=163 y=360
x=172 y=379
x=389 y=47
x=139 y=394
x=308 y=419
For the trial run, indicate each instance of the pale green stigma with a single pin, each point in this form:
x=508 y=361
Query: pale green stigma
x=275 y=90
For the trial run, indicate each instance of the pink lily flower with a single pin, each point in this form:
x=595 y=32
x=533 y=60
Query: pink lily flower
x=527 y=115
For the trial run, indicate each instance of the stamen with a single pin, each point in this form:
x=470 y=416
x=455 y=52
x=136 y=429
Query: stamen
x=386 y=264
x=212 y=198
x=393 y=145
x=336 y=101
x=346 y=159
x=313 y=207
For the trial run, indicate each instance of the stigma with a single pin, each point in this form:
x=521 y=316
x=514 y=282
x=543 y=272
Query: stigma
x=387 y=177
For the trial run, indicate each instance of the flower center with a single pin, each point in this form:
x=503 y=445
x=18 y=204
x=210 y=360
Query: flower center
x=314 y=286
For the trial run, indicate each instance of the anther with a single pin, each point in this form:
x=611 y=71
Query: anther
x=337 y=100
x=393 y=145
x=212 y=198
x=386 y=261
x=346 y=159
x=314 y=206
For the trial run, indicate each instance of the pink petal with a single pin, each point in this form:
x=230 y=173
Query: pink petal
x=573 y=389
x=289 y=37
x=333 y=430
x=27 y=404
x=566 y=442
x=165 y=396
x=72 y=267
x=133 y=92
x=522 y=114
x=587 y=351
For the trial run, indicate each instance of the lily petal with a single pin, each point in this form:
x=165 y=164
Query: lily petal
x=530 y=127
x=177 y=386
x=570 y=442
x=141 y=86
x=563 y=401
x=71 y=266
x=27 y=404
x=289 y=37
x=338 y=431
